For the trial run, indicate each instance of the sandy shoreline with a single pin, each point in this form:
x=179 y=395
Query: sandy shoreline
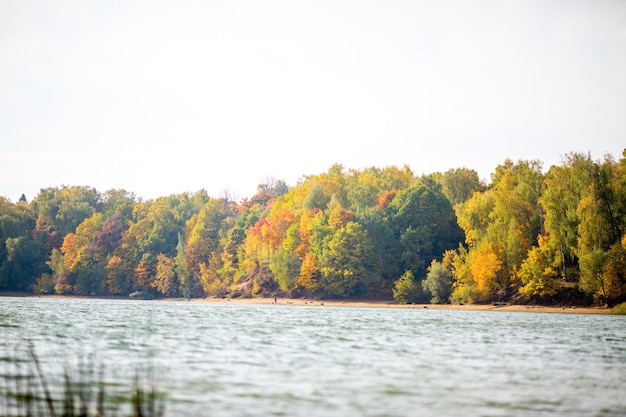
x=392 y=304
x=358 y=303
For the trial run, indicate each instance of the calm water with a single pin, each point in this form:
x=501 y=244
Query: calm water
x=272 y=360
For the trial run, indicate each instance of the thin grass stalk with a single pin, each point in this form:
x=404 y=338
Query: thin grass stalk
x=84 y=387
x=42 y=381
x=4 y=389
x=146 y=400
x=137 y=397
x=151 y=396
x=100 y=401
x=30 y=394
x=19 y=403
x=68 y=403
x=20 y=398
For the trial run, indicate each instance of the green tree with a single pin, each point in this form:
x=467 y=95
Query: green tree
x=424 y=224
x=23 y=265
x=585 y=222
x=564 y=188
x=182 y=269
x=89 y=271
x=474 y=216
x=66 y=208
x=347 y=266
x=212 y=280
x=501 y=225
x=439 y=282
x=614 y=273
x=118 y=202
x=208 y=234
x=407 y=290
x=592 y=278
x=362 y=188
x=286 y=268
x=385 y=245
x=23 y=245
x=515 y=218
x=458 y=185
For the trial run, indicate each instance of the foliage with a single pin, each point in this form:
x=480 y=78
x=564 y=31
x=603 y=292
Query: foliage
x=439 y=281
x=458 y=185
x=346 y=264
x=620 y=309
x=476 y=272
x=406 y=289
x=344 y=233
x=424 y=226
x=537 y=274
x=501 y=225
x=286 y=267
x=164 y=281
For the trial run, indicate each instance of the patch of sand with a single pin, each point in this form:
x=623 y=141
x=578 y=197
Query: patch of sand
x=392 y=304
x=359 y=303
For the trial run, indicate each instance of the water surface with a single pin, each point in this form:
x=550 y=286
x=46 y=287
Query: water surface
x=272 y=360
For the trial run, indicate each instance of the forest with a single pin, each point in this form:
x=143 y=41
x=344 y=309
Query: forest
x=530 y=236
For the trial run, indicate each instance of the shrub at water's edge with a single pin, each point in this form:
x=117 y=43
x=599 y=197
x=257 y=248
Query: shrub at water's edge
x=619 y=309
x=407 y=290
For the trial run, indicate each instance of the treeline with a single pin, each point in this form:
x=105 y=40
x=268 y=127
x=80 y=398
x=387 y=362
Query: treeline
x=371 y=233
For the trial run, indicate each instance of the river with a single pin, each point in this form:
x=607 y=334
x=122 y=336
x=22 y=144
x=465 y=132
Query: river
x=222 y=359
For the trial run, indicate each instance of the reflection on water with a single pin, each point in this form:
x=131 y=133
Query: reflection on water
x=270 y=360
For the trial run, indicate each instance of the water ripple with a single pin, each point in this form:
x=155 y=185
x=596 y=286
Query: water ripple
x=267 y=360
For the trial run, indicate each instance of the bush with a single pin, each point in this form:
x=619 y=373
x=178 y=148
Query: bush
x=407 y=290
x=439 y=282
x=620 y=309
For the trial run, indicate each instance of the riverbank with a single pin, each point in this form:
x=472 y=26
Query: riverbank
x=392 y=304
x=355 y=303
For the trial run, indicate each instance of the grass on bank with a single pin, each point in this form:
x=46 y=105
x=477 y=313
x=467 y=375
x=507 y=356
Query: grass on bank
x=620 y=309
x=28 y=390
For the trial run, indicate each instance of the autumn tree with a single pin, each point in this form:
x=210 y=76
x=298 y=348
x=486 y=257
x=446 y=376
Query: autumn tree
x=165 y=277
x=119 y=272
x=500 y=225
x=84 y=261
x=614 y=271
x=537 y=273
x=208 y=233
x=564 y=188
x=585 y=220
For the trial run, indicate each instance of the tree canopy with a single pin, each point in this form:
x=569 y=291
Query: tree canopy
x=370 y=233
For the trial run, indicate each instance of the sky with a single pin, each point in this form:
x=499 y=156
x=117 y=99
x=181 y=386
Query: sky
x=164 y=97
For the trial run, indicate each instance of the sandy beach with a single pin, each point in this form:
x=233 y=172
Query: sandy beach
x=392 y=304
x=355 y=303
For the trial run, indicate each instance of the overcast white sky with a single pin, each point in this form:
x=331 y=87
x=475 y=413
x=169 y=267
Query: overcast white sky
x=162 y=97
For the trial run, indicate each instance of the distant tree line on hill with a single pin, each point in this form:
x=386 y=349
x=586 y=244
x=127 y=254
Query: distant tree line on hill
x=370 y=233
